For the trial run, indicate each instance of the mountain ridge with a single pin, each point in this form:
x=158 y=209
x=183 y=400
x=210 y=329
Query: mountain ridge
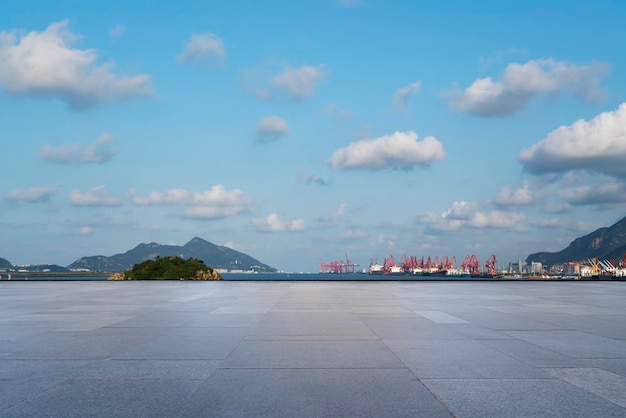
x=604 y=243
x=215 y=256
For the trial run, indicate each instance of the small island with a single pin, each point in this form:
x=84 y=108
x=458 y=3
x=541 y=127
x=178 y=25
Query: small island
x=169 y=268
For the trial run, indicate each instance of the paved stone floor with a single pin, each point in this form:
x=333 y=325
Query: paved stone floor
x=312 y=349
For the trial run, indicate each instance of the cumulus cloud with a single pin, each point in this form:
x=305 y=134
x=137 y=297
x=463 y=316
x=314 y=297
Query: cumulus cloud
x=401 y=150
x=101 y=150
x=207 y=204
x=401 y=96
x=43 y=64
x=520 y=197
x=596 y=145
x=271 y=128
x=291 y=83
x=605 y=190
x=97 y=196
x=273 y=224
x=30 y=195
x=299 y=82
x=206 y=49
x=523 y=82
x=464 y=215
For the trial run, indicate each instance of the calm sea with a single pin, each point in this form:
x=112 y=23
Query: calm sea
x=258 y=277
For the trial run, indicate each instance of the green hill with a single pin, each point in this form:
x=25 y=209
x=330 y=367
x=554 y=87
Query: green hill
x=170 y=267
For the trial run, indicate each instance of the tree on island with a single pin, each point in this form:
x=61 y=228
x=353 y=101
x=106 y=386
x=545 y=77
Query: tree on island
x=169 y=268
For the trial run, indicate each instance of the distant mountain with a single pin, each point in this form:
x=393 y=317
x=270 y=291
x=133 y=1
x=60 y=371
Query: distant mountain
x=215 y=256
x=604 y=243
x=4 y=264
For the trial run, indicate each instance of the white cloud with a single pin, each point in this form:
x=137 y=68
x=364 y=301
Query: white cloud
x=463 y=215
x=497 y=219
x=205 y=49
x=170 y=197
x=400 y=150
x=30 y=195
x=273 y=224
x=207 y=204
x=460 y=211
x=98 y=152
x=523 y=82
x=272 y=128
x=401 y=96
x=595 y=145
x=43 y=64
x=289 y=84
x=299 y=82
x=604 y=190
x=97 y=196
x=520 y=197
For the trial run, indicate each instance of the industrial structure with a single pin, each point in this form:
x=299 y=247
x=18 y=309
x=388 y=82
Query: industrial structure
x=338 y=267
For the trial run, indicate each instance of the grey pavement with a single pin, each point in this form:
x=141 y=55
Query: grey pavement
x=312 y=349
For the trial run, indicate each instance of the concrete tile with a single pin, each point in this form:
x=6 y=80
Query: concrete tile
x=313 y=327
x=507 y=322
x=477 y=332
x=108 y=398
x=67 y=345
x=312 y=354
x=189 y=347
x=532 y=354
x=313 y=393
x=441 y=317
x=613 y=365
x=459 y=359
x=13 y=392
x=502 y=398
x=575 y=344
x=607 y=385
x=410 y=329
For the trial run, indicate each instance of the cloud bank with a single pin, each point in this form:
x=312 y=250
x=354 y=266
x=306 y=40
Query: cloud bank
x=43 y=64
x=523 y=82
x=30 y=195
x=97 y=196
x=466 y=215
x=596 y=145
x=520 y=197
x=207 y=204
x=400 y=150
x=99 y=151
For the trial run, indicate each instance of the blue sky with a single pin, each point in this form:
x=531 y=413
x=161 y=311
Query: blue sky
x=300 y=131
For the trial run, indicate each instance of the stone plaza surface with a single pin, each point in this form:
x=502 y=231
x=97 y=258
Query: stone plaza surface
x=312 y=349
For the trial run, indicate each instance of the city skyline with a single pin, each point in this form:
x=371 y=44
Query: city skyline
x=303 y=132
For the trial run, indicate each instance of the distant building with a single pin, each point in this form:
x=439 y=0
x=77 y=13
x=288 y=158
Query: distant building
x=517 y=267
x=535 y=267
